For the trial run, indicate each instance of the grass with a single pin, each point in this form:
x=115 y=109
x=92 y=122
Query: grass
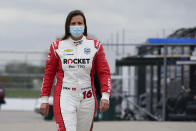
x=21 y=93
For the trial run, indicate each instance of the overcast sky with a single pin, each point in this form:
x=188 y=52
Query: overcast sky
x=34 y=24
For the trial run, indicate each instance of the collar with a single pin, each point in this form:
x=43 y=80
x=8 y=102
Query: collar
x=79 y=41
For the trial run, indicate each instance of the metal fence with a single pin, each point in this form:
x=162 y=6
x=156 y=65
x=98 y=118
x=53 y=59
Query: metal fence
x=25 y=69
x=21 y=69
x=137 y=90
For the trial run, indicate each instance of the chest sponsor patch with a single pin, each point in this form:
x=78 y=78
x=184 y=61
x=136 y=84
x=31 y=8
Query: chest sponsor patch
x=87 y=51
x=76 y=61
x=68 y=50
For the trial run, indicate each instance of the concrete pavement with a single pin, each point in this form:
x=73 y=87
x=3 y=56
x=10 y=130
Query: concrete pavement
x=31 y=121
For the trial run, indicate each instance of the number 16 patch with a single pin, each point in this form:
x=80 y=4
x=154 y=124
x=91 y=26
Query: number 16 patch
x=87 y=94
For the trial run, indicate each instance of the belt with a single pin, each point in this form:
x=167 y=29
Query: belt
x=74 y=89
x=68 y=88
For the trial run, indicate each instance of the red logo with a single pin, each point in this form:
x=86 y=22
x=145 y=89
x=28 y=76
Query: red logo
x=96 y=44
x=73 y=89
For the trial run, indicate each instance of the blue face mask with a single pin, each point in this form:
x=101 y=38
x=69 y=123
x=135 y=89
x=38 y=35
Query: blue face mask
x=76 y=31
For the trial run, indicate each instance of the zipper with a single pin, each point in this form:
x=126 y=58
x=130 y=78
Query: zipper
x=77 y=76
x=77 y=65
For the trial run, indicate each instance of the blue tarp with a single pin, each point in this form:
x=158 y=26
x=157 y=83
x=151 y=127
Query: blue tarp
x=175 y=41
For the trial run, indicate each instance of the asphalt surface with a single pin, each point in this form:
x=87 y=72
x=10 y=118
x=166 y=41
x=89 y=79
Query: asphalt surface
x=31 y=121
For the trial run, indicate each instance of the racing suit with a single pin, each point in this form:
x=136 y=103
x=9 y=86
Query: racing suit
x=74 y=63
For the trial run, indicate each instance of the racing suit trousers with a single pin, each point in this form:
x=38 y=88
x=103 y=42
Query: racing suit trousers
x=77 y=112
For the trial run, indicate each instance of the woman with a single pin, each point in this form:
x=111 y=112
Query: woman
x=73 y=61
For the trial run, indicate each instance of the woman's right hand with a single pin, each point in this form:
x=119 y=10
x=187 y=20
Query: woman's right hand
x=44 y=108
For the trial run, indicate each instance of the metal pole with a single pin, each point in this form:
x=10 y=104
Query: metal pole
x=151 y=88
x=26 y=64
x=111 y=41
x=107 y=47
x=159 y=80
x=165 y=83
x=123 y=41
x=129 y=79
x=117 y=42
x=158 y=84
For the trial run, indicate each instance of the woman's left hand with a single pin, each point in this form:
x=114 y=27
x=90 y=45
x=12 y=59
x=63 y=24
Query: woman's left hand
x=194 y=97
x=104 y=105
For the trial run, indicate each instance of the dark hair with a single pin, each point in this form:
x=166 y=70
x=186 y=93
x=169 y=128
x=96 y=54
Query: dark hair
x=68 y=20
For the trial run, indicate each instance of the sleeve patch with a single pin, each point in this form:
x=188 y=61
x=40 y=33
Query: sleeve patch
x=96 y=44
x=56 y=44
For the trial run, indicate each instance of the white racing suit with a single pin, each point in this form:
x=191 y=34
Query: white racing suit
x=74 y=63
